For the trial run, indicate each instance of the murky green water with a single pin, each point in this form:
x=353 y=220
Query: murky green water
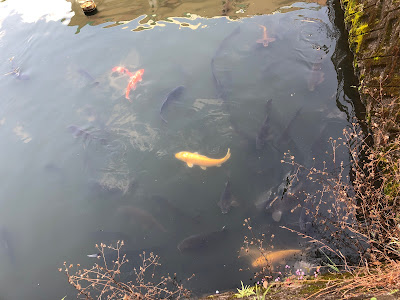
x=76 y=153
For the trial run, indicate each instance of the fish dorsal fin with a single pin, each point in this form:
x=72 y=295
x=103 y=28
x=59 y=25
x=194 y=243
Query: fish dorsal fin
x=234 y=202
x=196 y=152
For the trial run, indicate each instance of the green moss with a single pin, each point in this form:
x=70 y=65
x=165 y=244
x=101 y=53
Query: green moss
x=311 y=288
x=368 y=118
x=356 y=37
x=351 y=7
x=391 y=188
x=353 y=15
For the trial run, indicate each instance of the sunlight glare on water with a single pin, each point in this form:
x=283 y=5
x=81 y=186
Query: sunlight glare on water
x=81 y=164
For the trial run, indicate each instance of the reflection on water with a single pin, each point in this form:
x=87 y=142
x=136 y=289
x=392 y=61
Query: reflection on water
x=82 y=164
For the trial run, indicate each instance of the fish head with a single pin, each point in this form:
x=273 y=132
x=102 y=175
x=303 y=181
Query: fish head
x=140 y=73
x=225 y=207
x=261 y=261
x=73 y=128
x=117 y=69
x=183 y=155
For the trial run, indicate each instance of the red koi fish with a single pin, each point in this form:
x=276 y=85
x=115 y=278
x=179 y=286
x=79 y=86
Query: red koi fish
x=133 y=81
x=265 y=40
x=122 y=70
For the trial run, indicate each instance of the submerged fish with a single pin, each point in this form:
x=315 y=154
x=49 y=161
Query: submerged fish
x=133 y=82
x=88 y=77
x=86 y=135
x=264 y=134
x=221 y=93
x=174 y=94
x=141 y=216
x=122 y=70
x=173 y=211
x=6 y=243
x=195 y=158
x=227 y=199
x=79 y=132
x=273 y=258
x=265 y=39
x=282 y=198
x=316 y=77
x=201 y=241
x=285 y=136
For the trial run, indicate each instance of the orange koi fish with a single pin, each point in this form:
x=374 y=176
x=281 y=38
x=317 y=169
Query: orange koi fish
x=273 y=258
x=122 y=70
x=133 y=81
x=202 y=161
x=265 y=40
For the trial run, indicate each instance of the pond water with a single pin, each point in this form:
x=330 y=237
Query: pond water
x=81 y=164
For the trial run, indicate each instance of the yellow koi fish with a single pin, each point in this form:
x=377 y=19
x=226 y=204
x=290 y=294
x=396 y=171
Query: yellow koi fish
x=274 y=257
x=200 y=160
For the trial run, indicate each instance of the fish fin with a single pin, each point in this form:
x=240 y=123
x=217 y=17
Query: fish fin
x=234 y=203
x=218 y=166
x=227 y=156
x=196 y=152
x=162 y=118
x=204 y=168
x=190 y=165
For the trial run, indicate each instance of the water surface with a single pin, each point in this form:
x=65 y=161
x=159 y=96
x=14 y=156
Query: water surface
x=76 y=152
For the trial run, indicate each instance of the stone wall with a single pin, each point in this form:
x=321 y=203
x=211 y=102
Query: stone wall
x=374 y=38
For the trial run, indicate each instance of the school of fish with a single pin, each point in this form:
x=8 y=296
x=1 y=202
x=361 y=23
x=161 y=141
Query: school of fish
x=264 y=137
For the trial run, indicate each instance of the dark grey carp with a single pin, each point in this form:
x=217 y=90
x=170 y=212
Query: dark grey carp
x=201 y=241
x=264 y=134
x=88 y=77
x=227 y=200
x=165 y=206
x=221 y=93
x=316 y=76
x=285 y=136
x=87 y=135
x=173 y=95
x=7 y=244
x=140 y=216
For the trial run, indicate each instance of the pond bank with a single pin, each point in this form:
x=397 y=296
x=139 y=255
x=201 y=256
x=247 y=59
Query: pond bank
x=374 y=31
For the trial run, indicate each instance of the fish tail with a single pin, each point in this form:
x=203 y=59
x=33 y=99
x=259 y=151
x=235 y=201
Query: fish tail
x=162 y=118
x=228 y=154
